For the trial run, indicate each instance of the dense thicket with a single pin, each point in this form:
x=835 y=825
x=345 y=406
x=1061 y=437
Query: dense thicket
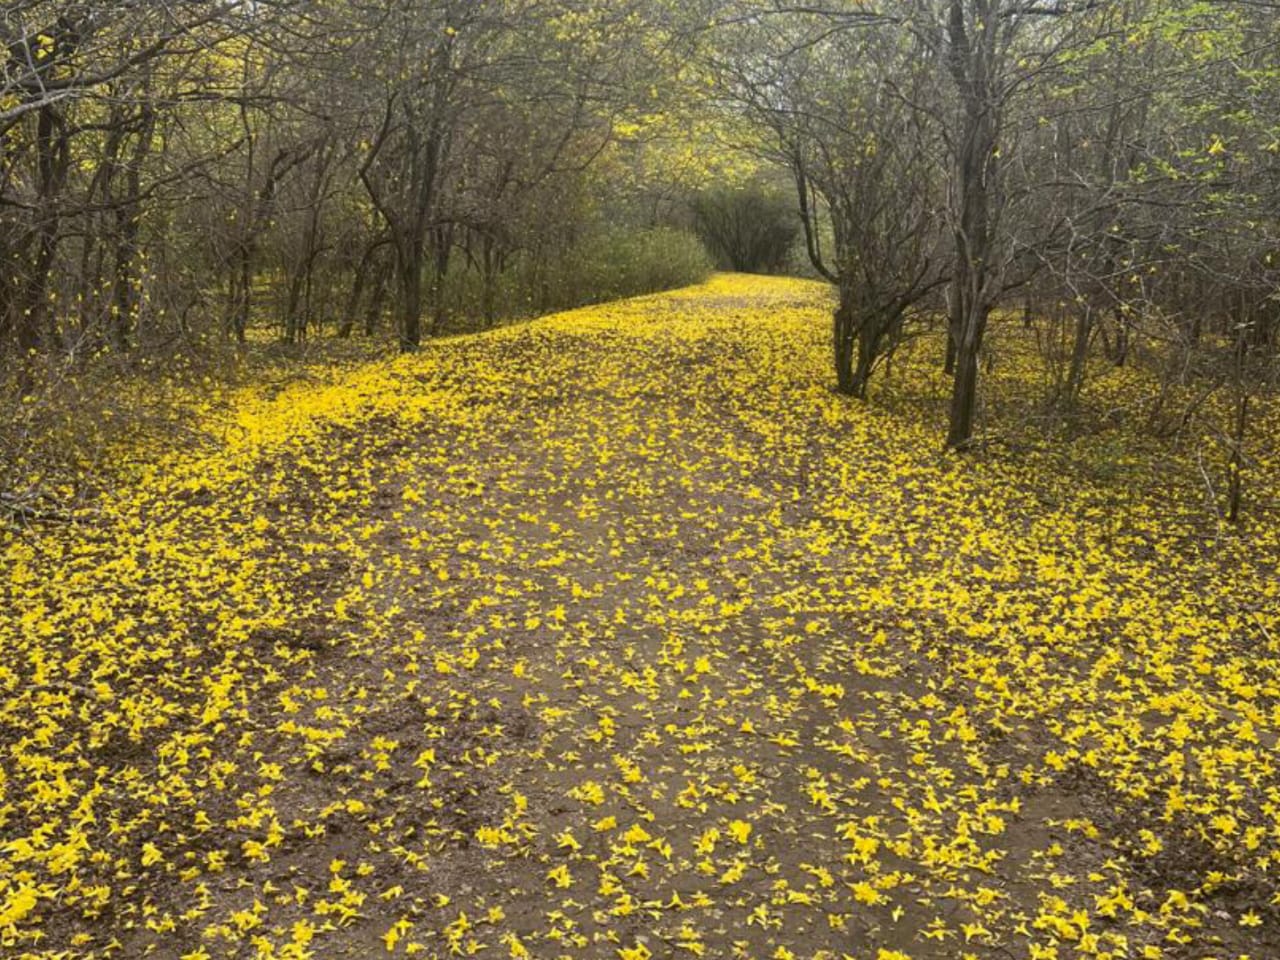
x=750 y=229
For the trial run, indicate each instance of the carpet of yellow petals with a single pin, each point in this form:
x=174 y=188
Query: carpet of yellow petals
x=619 y=635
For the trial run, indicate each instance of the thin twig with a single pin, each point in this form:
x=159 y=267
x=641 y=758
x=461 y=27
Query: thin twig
x=1262 y=626
x=1213 y=496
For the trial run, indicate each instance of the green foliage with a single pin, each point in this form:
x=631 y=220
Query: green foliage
x=750 y=229
x=626 y=263
x=603 y=265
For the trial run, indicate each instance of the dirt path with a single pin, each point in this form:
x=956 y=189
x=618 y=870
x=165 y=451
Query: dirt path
x=674 y=753
x=587 y=645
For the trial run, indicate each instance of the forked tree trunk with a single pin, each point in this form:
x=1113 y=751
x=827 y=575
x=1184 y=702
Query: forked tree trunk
x=1079 y=357
x=868 y=342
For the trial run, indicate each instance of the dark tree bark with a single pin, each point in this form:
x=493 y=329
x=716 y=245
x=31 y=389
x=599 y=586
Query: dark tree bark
x=977 y=36
x=52 y=164
x=128 y=221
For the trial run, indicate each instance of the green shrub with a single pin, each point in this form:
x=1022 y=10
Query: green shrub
x=750 y=229
x=606 y=265
x=627 y=263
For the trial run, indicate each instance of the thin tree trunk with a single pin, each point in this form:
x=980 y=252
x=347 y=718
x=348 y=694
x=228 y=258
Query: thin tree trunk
x=1121 y=355
x=443 y=246
x=1235 y=465
x=1079 y=357
x=125 y=293
x=378 y=300
x=52 y=162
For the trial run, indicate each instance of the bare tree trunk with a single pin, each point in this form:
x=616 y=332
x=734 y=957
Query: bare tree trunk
x=964 y=396
x=52 y=163
x=379 y=298
x=1079 y=357
x=242 y=287
x=125 y=293
x=294 y=323
x=410 y=265
x=358 y=284
x=1235 y=465
x=442 y=241
x=974 y=51
x=868 y=350
x=298 y=317
x=490 y=268
x=954 y=301
x=1120 y=355
x=844 y=338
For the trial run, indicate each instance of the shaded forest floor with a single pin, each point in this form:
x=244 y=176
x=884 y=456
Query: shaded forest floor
x=618 y=635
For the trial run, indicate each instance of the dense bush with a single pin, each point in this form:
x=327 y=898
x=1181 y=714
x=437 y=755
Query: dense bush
x=626 y=263
x=603 y=265
x=751 y=230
